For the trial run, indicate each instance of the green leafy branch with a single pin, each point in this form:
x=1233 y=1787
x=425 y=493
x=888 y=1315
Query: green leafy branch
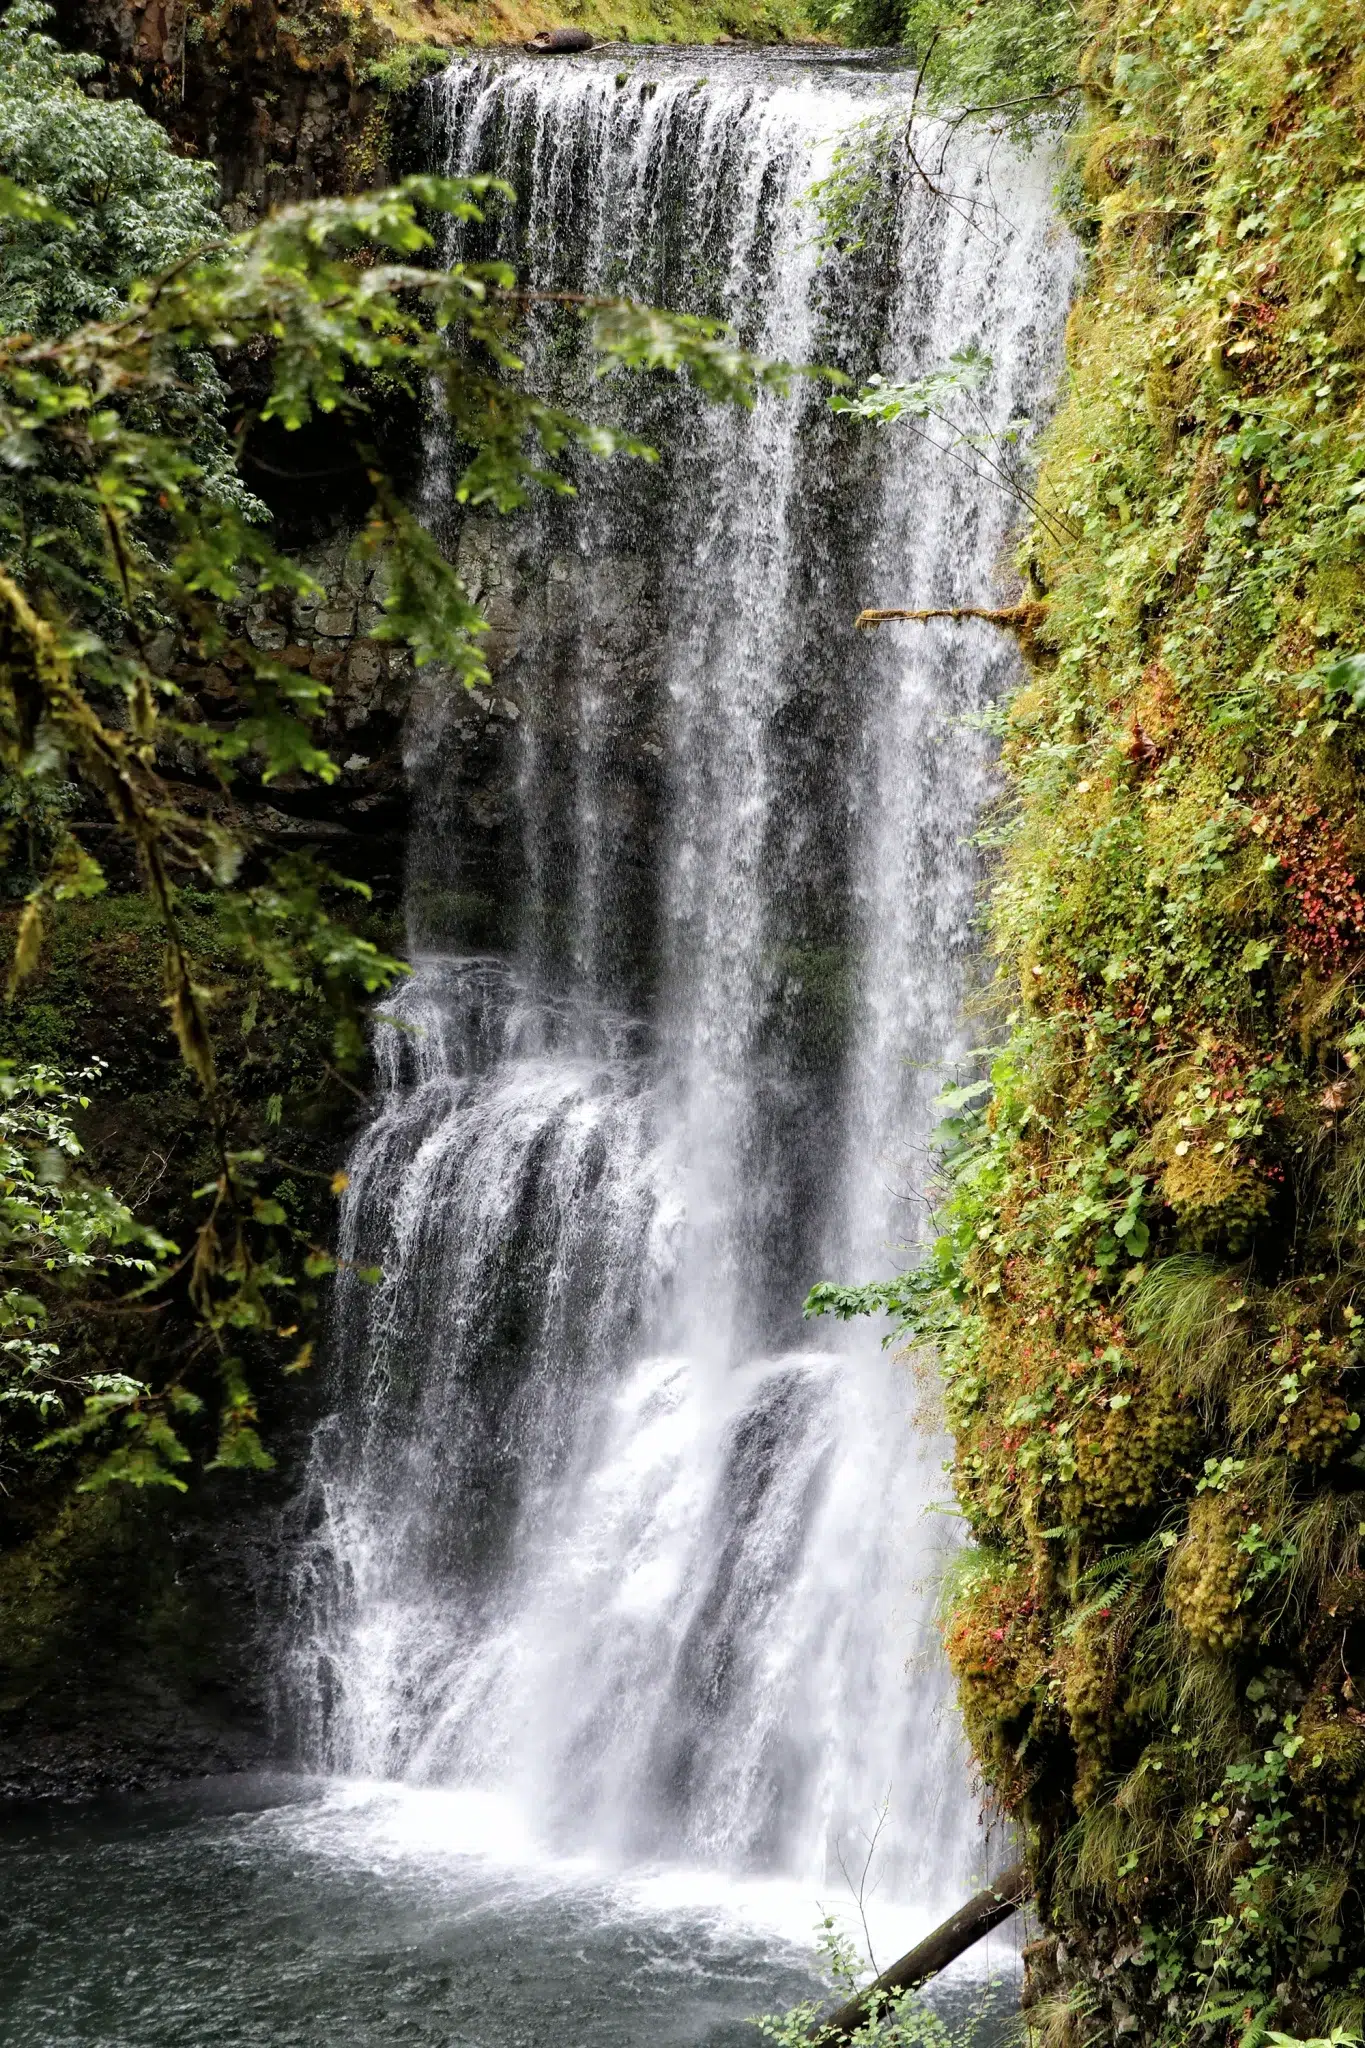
x=123 y=521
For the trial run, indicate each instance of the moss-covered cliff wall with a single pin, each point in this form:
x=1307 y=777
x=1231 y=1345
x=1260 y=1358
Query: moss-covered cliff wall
x=1152 y=1297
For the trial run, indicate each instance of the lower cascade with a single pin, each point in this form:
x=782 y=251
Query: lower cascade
x=600 y=1527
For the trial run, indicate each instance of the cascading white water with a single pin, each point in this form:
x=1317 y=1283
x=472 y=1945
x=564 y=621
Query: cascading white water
x=599 y=1525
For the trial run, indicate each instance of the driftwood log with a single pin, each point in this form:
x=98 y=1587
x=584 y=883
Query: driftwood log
x=934 y=1953
x=1016 y=618
x=560 y=42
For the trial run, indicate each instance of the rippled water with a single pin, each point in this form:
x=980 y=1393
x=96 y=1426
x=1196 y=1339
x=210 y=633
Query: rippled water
x=296 y=1915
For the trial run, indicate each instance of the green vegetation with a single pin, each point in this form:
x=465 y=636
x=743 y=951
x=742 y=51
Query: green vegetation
x=1004 y=52
x=1149 y=1293
x=389 y=43
x=117 y=203
x=57 y=1229
x=126 y=536
x=904 y=2021
x=627 y=21
x=1010 y=54
x=94 y=1005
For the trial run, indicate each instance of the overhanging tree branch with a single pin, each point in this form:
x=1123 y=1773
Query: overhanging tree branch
x=1023 y=619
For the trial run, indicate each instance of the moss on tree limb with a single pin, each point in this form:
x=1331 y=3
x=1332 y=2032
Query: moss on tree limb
x=1023 y=619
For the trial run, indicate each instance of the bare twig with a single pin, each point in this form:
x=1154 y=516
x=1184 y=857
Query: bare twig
x=996 y=107
x=859 y=1890
x=335 y=1075
x=994 y=469
x=1027 y=99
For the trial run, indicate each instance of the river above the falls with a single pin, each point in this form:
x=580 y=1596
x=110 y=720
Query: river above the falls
x=287 y=1913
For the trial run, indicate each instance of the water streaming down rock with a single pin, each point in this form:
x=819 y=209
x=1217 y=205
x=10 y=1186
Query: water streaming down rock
x=598 y=1523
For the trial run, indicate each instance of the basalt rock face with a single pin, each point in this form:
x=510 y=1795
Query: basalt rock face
x=550 y=613
x=546 y=611
x=282 y=106
x=128 y=1638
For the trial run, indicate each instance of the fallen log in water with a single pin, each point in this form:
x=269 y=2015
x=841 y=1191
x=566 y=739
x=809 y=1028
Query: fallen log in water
x=934 y=1953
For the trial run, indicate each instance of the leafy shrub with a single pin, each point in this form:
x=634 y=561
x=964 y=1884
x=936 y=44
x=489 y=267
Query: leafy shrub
x=59 y=1230
x=117 y=203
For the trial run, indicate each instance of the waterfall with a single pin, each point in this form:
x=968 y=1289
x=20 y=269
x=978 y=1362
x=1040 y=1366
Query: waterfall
x=599 y=1526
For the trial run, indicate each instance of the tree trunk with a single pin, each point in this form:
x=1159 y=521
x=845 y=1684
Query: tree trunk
x=934 y=1953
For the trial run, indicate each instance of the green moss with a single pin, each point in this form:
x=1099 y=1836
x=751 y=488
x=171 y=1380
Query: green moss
x=1152 y=1291
x=633 y=21
x=390 y=44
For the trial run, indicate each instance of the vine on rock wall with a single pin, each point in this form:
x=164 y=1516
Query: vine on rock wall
x=1149 y=1296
